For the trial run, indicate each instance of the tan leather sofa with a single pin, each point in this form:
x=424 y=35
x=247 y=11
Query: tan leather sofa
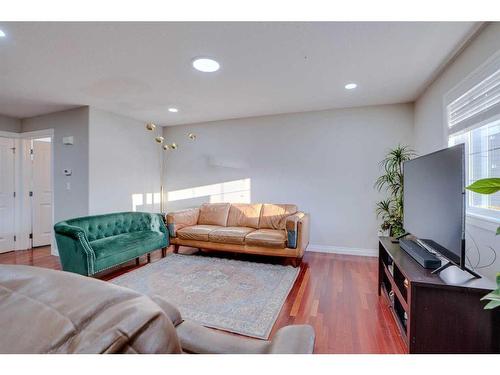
x=47 y=311
x=265 y=229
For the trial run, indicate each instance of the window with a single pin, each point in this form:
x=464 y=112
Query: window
x=482 y=152
x=473 y=118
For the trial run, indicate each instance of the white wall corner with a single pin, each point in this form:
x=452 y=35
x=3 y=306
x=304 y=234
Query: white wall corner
x=330 y=249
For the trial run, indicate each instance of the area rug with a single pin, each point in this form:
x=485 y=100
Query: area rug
x=232 y=295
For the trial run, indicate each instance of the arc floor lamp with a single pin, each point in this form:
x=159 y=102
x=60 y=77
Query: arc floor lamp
x=162 y=149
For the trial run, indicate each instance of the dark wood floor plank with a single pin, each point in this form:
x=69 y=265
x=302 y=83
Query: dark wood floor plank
x=336 y=294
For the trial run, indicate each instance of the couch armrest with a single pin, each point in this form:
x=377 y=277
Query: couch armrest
x=75 y=253
x=294 y=339
x=69 y=230
x=303 y=229
x=172 y=312
x=158 y=224
x=194 y=338
x=292 y=224
x=180 y=219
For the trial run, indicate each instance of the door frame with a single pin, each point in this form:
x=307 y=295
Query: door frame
x=23 y=206
x=13 y=141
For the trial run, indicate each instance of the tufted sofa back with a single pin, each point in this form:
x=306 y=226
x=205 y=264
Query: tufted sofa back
x=108 y=225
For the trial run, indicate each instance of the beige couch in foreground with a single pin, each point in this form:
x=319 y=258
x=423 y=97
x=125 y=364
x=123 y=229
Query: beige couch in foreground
x=47 y=311
x=264 y=229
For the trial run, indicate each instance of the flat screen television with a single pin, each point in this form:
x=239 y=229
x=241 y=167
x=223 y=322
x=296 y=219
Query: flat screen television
x=434 y=201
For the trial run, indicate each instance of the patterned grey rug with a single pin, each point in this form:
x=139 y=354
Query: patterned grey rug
x=232 y=295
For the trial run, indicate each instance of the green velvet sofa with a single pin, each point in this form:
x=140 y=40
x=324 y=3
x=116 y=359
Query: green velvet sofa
x=92 y=244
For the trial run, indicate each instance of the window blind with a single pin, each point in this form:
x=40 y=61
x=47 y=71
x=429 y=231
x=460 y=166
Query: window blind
x=477 y=104
x=476 y=99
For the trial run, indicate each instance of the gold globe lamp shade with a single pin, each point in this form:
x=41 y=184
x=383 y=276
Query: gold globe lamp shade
x=192 y=136
x=173 y=146
x=159 y=139
x=150 y=126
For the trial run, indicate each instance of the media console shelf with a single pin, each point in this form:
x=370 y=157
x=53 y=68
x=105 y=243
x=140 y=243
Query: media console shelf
x=437 y=313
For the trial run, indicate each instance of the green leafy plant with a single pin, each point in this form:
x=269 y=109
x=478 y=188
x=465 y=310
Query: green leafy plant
x=390 y=210
x=486 y=186
x=494 y=296
x=489 y=186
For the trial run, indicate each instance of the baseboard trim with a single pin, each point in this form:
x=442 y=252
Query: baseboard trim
x=342 y=250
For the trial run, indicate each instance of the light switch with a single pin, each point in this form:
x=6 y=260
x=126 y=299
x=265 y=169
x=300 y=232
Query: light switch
x=68 y=185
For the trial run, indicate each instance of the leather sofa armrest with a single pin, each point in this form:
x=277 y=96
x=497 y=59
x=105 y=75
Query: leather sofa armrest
x=292 y=223
x=194 y=338
x=303 y=228
x=294 y=339
x=172 y=312
x=180 y=219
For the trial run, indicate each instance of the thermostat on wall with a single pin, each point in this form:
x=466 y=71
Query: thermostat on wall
x=67 y=140
x=67 y=172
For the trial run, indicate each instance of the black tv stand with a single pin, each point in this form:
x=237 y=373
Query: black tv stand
x=436 y=314
x=449 y=264
x=396 y=239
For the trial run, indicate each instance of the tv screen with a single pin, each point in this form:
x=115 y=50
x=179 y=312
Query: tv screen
x=434 y=200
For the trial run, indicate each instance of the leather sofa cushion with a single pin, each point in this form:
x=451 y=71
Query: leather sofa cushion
x=267 y=238
x=47 y=311
x=196 y=232
x=273 y=216
x=214 y=214
x=235 y=235
x=244 y=215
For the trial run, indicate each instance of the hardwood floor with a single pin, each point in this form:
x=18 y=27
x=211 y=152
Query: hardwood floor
x=336 y=294
x=39 y=257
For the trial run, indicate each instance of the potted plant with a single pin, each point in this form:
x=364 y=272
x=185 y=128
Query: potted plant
x=390 y=210
x=493 y=296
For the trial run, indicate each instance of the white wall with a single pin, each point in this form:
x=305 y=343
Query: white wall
x=325 y=162
x=430 y=131
x=112 y=158
x=10 y=124
x=73 y=202
x=431 y=135
x=123 y=161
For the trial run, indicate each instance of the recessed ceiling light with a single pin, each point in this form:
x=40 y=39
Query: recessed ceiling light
x=206 y=65
x=2 y=34
x=350 y=86
x=172 y=109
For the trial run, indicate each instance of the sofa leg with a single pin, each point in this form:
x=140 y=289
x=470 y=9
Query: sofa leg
x=296 y=262
x=136 y=261
x=176 y=249
x=164 y=252
x=149 y=258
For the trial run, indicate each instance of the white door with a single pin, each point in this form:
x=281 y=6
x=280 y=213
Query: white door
x=42 y=192
x=6 y=194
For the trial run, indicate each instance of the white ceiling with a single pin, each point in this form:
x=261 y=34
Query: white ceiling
x=140 y=69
